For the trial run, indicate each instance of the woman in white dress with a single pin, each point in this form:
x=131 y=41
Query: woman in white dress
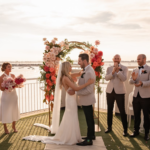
x=68 y=132
x=9 y=112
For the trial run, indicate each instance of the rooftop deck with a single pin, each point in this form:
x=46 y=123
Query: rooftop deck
x=113 y=141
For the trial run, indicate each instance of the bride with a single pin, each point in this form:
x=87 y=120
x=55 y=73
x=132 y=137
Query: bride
x=69 y=131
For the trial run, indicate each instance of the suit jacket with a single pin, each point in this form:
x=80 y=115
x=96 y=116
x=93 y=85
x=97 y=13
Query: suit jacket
x=87 y=95
x=143 y=90
x=117 y=80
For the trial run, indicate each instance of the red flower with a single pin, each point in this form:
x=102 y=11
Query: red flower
x=54 y=81
x=51 y=97
x=53 y=78
x=51 y=70
x=99 y=60
x=96 y=56
x=48 y=81
x=95 y=64
x=102 y=63
x=53 y=73
x=46 y=68
x=94 y=59
x=97 y=74
x=47 y=97
x=94 y=67
x=48 y=88
x=100 y=53
x=48 y=75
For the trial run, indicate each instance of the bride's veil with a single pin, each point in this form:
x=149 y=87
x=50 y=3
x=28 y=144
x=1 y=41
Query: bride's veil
x=57 y=103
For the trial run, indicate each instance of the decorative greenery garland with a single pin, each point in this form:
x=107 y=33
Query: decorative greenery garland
x=55 y=52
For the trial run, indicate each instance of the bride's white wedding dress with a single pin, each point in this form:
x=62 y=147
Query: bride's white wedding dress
x=69 y=131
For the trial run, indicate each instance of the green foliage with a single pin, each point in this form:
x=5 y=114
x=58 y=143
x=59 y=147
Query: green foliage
x=69 y=60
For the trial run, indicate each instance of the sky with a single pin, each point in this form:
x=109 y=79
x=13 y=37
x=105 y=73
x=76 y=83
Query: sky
x=123 y=27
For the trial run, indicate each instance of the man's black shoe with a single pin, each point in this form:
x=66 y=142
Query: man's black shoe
x=125 y=133
x=108 y=130
x=85 y=143
x=134 y=134
x=146 y=138
x=85 y=138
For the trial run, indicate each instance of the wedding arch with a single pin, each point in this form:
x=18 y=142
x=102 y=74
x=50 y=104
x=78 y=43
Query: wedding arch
x=56 y=52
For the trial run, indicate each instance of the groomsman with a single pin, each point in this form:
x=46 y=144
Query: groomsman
x=141 y=99
x=116 y=75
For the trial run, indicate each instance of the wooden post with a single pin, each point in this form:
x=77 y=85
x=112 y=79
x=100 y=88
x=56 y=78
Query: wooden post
x=49 y=114
x=98 y=104
x=97 y=127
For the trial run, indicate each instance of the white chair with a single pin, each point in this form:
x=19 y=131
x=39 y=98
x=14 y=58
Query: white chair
x=130 y=109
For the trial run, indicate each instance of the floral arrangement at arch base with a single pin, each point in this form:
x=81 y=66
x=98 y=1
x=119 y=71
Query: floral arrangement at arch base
x=55 y=52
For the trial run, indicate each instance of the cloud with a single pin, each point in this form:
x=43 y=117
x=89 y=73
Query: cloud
x=125 y=26
x=101 y=17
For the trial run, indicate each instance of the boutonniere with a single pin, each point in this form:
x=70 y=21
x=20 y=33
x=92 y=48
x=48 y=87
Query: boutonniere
x=120 y=69
x=144 y=71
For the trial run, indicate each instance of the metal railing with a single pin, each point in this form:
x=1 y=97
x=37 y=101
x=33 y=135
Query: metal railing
x=30 y=97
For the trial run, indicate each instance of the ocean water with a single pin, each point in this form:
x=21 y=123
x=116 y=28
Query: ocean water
x=34 y=72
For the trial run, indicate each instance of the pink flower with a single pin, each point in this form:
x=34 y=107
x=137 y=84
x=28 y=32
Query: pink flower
x=52 y=50
x=67 y=46
x=95 y=50
x=59 y=49
x=44 y=39
x=56 y=62
x=62 y=43
x=46 y=42
x=52 y=56
x=53 y=41
x=97 y=42
x=47 y=48
x=92 y=55
x=44 y=59
x=50 y=64
x=55 y=51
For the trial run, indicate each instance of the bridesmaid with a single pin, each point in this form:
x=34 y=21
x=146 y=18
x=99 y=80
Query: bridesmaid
x=9 y=111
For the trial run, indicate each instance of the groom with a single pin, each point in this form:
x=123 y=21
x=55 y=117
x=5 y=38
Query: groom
x=87 y=98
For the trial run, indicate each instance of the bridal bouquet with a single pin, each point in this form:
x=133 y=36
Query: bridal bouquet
x=8 y=83
x=20 y=80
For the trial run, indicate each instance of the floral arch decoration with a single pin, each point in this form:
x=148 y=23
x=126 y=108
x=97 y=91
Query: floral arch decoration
x=55 y=52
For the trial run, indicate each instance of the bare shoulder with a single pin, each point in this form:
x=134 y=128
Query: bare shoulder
x=2 y=76
x=65 y=78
